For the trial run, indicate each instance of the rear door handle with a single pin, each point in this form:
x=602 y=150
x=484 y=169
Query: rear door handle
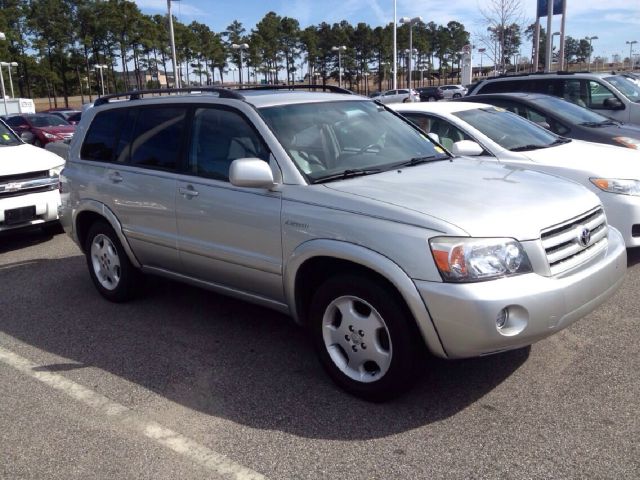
x=188 y=192
x=115 y=177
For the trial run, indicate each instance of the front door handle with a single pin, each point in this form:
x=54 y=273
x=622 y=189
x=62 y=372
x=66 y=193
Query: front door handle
x=188 y=192
x=115 y=177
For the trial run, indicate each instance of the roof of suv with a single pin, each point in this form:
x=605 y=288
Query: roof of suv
x=258 y=97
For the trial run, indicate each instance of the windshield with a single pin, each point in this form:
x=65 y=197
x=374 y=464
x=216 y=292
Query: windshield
x=325 y=139
x=507 y=129
x=570 y=112
x=626 y=87
x=7 y=137
x=47 y=121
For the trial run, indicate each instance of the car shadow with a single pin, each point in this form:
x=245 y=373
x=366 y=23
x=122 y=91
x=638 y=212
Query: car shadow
x=221 y=356
x=12 y=240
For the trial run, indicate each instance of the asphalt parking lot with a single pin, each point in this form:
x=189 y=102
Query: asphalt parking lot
x=184 y=383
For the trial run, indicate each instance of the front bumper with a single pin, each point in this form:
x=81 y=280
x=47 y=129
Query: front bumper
x=45 y=203
x=465 y=314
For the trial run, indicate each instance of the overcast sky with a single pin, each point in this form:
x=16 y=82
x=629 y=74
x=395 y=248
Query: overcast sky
x=613 y=21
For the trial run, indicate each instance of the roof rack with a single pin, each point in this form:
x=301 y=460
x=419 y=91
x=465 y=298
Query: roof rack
x=324 y=88
x=137 y=94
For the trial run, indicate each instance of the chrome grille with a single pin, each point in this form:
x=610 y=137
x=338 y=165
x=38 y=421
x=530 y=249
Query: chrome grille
x=565 y=244
x=24 y=183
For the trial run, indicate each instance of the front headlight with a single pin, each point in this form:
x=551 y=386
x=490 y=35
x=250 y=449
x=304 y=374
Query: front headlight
x=49 y=135
x=55 y=172
x=617 y=185
x=628 y=142
x=463 y=259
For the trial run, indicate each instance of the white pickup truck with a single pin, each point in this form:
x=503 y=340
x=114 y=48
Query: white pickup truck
x=29 y=193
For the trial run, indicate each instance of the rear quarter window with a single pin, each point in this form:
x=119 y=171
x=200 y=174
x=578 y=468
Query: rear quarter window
x=100 y=142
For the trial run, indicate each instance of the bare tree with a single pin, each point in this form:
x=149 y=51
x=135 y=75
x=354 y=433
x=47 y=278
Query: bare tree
x=498 y=19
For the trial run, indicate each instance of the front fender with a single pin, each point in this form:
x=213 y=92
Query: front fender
x=373 y=261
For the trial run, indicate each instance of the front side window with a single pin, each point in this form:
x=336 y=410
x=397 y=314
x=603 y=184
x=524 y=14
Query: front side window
x=328 y=138
x=7 y=137
x=508 y=129
x=157 y=137
x=598 y=94
x=218 y=137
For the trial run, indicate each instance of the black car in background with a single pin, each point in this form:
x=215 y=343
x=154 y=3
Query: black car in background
x=564 y=118
x=430 y=94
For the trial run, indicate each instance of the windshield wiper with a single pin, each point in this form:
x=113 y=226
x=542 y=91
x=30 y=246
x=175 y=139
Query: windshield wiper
x=603 y=123
x=419 y=160
x=348 y=173
x=525 y=148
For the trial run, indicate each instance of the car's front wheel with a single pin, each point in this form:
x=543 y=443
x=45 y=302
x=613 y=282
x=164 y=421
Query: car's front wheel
x=111 y=271
x=365 y=339
x=432 y=99
x=457 y=95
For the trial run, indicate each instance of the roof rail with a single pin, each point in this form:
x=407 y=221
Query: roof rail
x=324 y=88
x=137 y=94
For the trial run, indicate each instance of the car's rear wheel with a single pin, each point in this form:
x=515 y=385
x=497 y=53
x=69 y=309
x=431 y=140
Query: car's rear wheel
x=111 y=271
x=432 y=98
x=457 y=95
x=364 y=337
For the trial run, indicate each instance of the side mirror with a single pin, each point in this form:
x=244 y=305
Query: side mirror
x=434 y=136
x=27 y=137
x=613 y=104
x=467 y=148
x=251 y=172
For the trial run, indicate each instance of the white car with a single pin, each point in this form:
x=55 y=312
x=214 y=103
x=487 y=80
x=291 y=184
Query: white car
x=29 y=193
x=453 y=91
x=495 y=134
x=402 y=95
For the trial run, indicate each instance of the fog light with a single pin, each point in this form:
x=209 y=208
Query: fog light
x=502 y=318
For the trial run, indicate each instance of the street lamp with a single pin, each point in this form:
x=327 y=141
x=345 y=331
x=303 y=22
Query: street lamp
x=366 y=83
x=590 y=49
x=241 y=47
x=4 y=96
x=481 y=52
x=176 y=78
x=100 y=67
x=9 y=65
x=411 y=22
x=630 y=43
x=339 y=50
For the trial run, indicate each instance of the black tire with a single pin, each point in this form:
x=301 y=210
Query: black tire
x=401 y=337
x=457 y=95
x=117 y=284
x=37 y=143
x=432 y=99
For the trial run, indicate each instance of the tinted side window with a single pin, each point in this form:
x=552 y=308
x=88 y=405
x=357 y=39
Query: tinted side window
x=157 y=137
x=99 y=144
x=15 y=121
x=218 y=137
x=502 y=87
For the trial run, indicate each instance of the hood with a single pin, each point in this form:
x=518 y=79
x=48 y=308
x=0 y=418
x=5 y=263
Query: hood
x=58 y=129
x=485 y=199
x=594 y=159
x=26 y=158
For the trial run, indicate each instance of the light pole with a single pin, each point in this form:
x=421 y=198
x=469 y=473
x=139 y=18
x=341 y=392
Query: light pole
x=4 y=96
x=395 y=46
x=339 y=50
x=100 y=67
x=11 y=65
x=240 y=47
x=176 y=78
x=590 y=49
x=233 y=73
x=630 y=43
x=366 y=83
x=411 y=22
x=481 y=52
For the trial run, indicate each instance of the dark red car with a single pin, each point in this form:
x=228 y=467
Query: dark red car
x=43 y=127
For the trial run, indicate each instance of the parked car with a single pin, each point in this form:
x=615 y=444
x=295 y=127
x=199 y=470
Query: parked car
x=28 y=184
x=43 y=127
x=612 y=95
x=68 y=115
x=402 y=95
x=564 y=118
x=60 y=148
x=494 y=134
x=333 y=209
x=74 y=118
x=453 y=91
x=430 y=94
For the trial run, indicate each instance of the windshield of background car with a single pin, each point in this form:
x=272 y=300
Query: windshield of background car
x=626 y=87
x=507 y=129
x=7 y=137
x=331 y=137
x=570 y=112
x=41 y=121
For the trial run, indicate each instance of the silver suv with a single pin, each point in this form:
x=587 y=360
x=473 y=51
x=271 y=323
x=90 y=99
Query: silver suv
x=335 y=210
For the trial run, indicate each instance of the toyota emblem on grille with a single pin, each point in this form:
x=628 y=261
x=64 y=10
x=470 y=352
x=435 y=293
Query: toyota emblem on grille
x=584 y=236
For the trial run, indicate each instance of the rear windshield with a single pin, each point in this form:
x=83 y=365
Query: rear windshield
x=570 y=112
x=7 y=137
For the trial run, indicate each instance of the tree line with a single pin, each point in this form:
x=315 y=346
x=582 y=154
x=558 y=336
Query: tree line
x=57 y=44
